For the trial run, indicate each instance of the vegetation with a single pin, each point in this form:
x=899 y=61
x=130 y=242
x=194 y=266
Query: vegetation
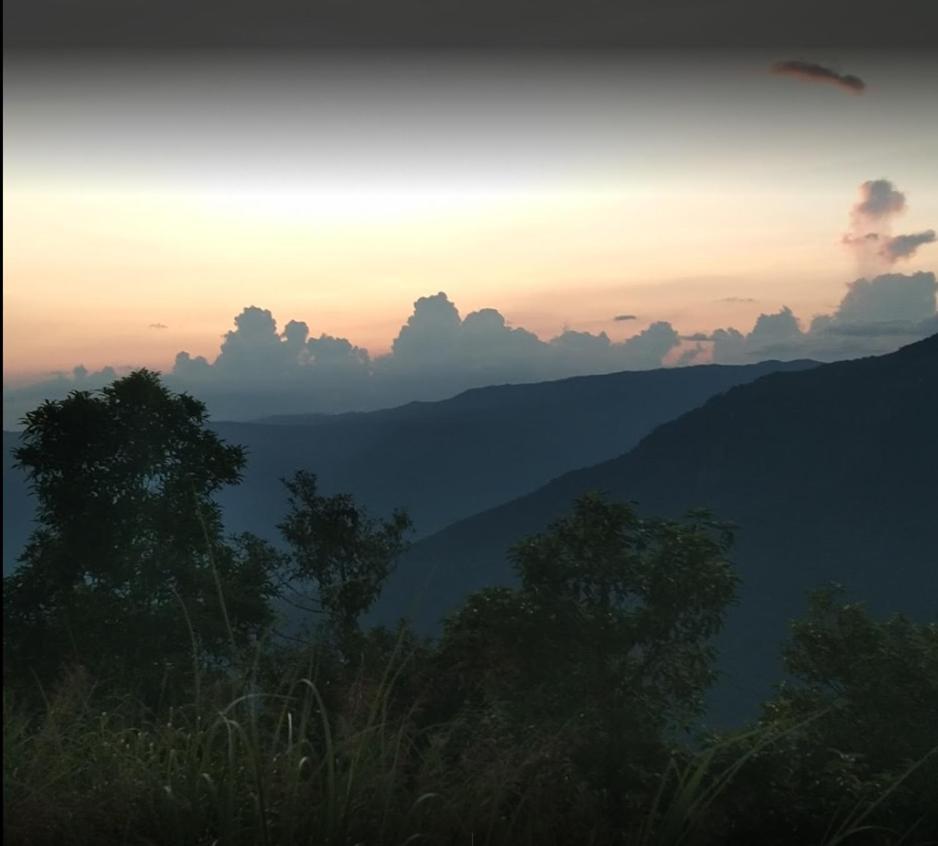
x=340 y=551
x=124 y=573
x=150 y=699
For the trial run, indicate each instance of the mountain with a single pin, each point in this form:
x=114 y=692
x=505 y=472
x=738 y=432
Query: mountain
x=441 y=460
x=831 y=473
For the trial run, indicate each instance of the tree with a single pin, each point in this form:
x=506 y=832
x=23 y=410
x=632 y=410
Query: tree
x=607 y=639
x=863 y=700
x=128 y=552
x=345 y=554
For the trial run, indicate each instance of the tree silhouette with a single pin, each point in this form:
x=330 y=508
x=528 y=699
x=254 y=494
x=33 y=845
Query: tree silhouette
x=607 y=641
x=863 y=694
x=345 y=554
x=127 y=564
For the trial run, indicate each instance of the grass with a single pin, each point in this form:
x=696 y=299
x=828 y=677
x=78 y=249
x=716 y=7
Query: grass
x=306 y=754
x=286 y=767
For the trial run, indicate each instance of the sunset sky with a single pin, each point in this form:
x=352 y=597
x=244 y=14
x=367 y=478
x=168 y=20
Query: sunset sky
x=149 y=198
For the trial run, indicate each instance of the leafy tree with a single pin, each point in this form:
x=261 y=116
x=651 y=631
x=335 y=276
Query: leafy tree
x=128 y=552
x=341 y=551
x=607 y=639
x=857 y=726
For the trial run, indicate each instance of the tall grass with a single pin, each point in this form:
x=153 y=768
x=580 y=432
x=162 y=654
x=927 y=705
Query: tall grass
x=303 y=754
x=286 y=767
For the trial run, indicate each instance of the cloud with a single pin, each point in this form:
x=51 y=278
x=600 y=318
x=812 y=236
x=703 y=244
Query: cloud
x=261 y=369
x=870 y=236
x=691 y=355
x=812 y=72
x=879 y=198
x=874 y=316
x=157 y=326
x=437 y=353
x=431 y=329
x=437 y=344
x=904 y=246
x=890 y=329
x=191 y=369
x=772 y=330
x=888 y=298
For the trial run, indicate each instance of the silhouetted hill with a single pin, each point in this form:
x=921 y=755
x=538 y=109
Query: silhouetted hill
x=831 y=474
x=443 y=460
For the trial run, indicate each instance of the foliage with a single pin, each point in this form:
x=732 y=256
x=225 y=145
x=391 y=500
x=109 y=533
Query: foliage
x=127 y=563
x=606 y=642
x=344 y=553
x=863 y=695
x=555 y=712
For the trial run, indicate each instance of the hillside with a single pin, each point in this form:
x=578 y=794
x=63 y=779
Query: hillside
x=442 y=460
x=830 y=473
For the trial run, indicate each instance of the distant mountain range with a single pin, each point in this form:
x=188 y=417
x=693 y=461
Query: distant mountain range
x=831 y=473
x=446 y=460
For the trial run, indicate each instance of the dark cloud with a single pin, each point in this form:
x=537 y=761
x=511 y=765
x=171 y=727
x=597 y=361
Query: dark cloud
x=813 y=72
x=697 y=336
x=871 y=221
x=879 y=198
x=157 y=326
x=904 y=246
x=884 y=329
x=621 y=317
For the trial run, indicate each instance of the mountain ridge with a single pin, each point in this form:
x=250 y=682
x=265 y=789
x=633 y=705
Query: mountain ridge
x=447 y=459
x=829 y=473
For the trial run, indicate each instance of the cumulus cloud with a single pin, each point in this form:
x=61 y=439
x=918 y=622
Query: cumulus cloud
x=436 y=342
x=888 y=298
x=261 y=369
x=191 y=369
x=812 y=72
x=775 y=329
x=874 y=316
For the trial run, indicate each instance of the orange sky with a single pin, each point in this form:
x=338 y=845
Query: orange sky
x=102 y=240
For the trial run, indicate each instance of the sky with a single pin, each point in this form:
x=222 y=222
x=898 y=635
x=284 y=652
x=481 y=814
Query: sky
x=154 y=192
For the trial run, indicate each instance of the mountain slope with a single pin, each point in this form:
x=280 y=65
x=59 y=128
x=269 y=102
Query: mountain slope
x=442 y=460
x=830 y=473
